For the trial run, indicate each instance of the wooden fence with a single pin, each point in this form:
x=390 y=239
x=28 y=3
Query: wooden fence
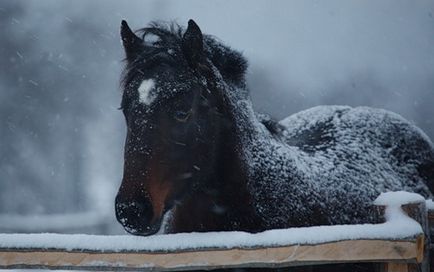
x=403 y=249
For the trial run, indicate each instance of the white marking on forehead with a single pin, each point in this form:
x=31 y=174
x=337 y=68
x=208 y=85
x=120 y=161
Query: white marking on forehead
x=145 y=88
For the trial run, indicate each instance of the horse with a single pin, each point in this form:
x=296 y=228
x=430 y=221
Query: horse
x=199 y=158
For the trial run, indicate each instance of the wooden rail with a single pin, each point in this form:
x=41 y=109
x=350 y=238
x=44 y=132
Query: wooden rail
x=349 y=251
x=399 y=245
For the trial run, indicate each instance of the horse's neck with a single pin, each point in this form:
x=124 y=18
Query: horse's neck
x=224 y=202
x=274 y=170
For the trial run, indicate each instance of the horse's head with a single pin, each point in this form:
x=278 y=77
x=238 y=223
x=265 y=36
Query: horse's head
x=174 y=119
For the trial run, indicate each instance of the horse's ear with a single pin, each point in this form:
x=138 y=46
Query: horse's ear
x=192 y=43
x=133 y=45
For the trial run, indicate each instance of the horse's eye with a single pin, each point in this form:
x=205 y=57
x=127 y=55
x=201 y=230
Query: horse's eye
x=182 y=116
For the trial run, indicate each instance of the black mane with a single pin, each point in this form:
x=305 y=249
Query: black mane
x=167 y=49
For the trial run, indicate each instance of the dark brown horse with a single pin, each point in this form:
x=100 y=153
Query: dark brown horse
x=198 y=158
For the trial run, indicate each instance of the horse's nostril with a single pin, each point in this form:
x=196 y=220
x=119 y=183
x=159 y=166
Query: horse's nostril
x=135 y=216
x=134 y=209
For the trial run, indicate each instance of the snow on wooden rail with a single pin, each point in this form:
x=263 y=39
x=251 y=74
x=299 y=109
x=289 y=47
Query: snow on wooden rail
x=399 y=239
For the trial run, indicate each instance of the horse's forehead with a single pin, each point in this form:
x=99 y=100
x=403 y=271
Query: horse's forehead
x=154 y=89
x=160 y=86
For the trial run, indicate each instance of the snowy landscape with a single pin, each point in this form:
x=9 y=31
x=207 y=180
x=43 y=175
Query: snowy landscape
x=62 y=136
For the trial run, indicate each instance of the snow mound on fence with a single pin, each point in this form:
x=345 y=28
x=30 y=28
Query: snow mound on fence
x=398 y=198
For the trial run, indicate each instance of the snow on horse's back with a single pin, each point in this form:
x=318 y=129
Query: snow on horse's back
x=353 y=154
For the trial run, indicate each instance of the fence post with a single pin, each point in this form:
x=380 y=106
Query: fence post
x=430 y=208
x=418 y=212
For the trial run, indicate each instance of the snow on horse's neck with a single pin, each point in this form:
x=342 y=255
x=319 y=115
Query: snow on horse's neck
x=238 y=107
x=260 y=151
x=249 y=131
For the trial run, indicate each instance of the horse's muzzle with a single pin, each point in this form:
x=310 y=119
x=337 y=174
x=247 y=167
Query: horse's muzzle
x=136 y=217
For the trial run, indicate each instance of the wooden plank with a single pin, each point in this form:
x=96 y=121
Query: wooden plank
x=337 y=252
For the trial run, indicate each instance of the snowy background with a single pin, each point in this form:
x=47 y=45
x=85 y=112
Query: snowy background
x=61 y=135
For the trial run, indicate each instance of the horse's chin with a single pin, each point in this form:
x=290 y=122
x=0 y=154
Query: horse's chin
x=159 y=226
x=143 y=230
x=148 y=230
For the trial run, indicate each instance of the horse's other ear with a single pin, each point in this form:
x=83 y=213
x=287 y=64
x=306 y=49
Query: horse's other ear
x=192 y=43
x=133 y=45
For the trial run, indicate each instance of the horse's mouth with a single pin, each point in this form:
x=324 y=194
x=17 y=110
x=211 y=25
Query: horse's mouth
x=143 y=231
x=157 y=226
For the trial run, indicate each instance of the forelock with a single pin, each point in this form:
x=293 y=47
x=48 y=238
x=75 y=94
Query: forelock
x=167 y=39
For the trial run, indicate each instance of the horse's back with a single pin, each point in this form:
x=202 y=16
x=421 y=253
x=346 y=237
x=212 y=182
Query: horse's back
x=324 y=127
x=353 y=154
